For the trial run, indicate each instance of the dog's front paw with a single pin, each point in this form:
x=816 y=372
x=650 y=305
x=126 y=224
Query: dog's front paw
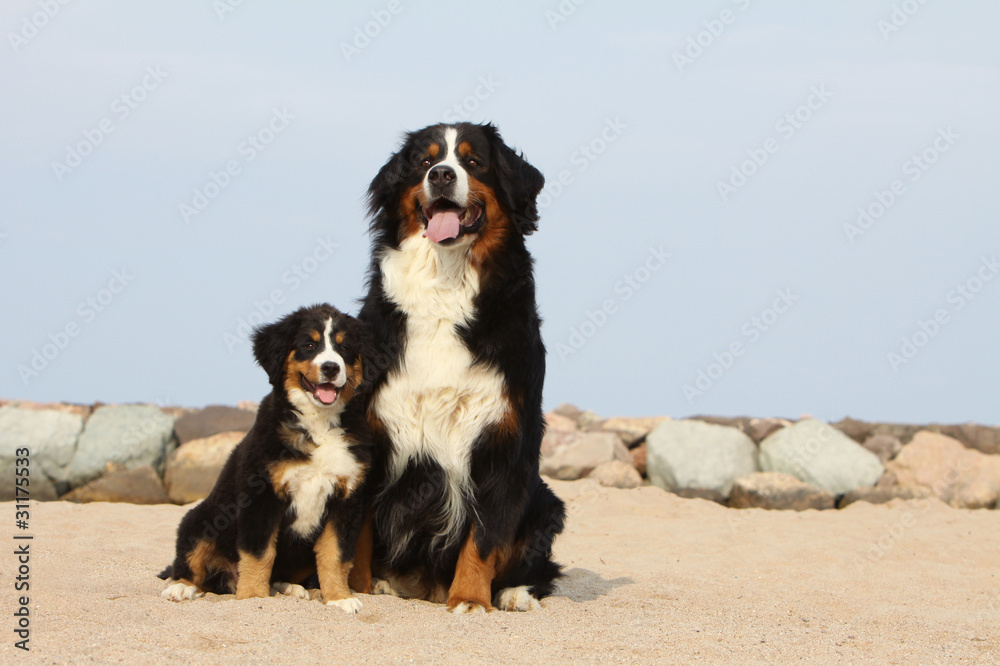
x=290 y=590
x=468 y=608
x=181 y=591
x=348 y=605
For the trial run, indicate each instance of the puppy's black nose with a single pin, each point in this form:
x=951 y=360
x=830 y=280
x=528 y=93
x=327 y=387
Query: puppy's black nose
x=441 y=175
x=330 y=370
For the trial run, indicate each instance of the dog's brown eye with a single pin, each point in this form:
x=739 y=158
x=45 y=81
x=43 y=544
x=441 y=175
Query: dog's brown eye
x=472 y=162
x=425 y=162
x=310 y=346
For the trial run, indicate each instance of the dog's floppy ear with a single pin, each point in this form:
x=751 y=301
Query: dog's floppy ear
x=385 y=185
x=519 y=184
x=271 y=345
x=361 y=334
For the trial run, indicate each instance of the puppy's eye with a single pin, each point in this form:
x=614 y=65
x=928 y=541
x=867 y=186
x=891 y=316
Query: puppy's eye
x=309 y=346
x=425 y=162
x=472 y=162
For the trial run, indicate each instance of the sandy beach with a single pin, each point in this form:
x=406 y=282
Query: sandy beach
x=650 y=577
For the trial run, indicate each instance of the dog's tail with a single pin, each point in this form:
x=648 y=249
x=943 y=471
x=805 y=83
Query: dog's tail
x=166 y=573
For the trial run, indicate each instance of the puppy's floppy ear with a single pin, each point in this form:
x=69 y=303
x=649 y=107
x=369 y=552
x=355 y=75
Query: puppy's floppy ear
x=271 y=345
x=519 y=184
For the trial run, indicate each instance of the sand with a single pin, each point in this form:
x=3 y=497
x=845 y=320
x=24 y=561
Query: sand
x=650 y=577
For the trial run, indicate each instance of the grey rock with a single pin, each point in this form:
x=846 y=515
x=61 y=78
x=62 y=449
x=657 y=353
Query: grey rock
x=820 y=455
x=776 y=490
x=131 y=435
x=570 y=455
x=695 y=454
x=49 y=435
x=701 y=493
x=569 y=411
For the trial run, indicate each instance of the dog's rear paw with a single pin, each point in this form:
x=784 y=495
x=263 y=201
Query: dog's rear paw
x=290 y=590
x=516 y=599
x=468 y=608
x=348 y=605
x=181 y=591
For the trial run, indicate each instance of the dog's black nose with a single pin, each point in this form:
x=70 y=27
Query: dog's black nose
x=330 y=369
x=441 y=175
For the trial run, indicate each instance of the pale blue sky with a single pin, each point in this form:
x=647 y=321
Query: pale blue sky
x=831 y=103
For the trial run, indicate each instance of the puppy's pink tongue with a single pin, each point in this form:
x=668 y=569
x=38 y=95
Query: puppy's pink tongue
x=442 y=226
x=326 y=393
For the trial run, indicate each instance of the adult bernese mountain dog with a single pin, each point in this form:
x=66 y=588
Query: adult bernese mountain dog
x=460 y=514
x=290 y=500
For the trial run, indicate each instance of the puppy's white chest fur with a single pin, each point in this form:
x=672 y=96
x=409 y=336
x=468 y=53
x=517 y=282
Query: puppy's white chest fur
x=438 y=402
x=310 y=483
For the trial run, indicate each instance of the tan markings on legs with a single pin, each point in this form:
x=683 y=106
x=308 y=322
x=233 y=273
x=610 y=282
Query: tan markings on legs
x=473 y=576
x=331 y=570
x=360 y=578
x=255 y=572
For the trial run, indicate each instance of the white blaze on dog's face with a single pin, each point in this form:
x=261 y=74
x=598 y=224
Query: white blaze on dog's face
x=315 y=370
x=451 y=206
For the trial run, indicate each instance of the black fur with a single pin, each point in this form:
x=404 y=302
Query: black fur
x=244 y=508
x=512 y=506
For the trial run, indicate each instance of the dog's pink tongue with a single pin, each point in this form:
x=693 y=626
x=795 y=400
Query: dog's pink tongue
x=326 y=393
x=442 y=226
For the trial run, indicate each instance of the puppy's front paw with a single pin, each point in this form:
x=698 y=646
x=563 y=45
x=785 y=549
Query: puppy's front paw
x=467 y=608
x=290 y=590
x=181 y=591
x=516 y=599
x=348 y=605
x=382 y=586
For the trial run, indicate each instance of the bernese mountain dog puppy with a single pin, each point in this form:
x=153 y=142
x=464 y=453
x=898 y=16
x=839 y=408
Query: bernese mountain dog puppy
x=460 y=513
x=290 y=500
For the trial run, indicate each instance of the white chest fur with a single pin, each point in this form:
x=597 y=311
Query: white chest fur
x=437 y=403
x=310 y=483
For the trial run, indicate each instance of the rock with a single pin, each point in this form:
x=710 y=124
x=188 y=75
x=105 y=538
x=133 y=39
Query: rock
x=975 y=436
x=884 y=446
x=211 y=421
x=964 y=478
x=859 y=431
x=632 y=431
x=83 y=411
x=759 y=429
x=776 y=490
x=694 y=454
x=49 y=435
x=569 y=455
x=616 y=474
x=248 y=405
x=554 y=421
x=903 y=432
x=589 y=421
x=639 y=458
x=136 y=486
x=701 y=493
x=884 y=494
x=569 y=411
x=133 y=435
x=739 y=422
x=820 y=455
x=193 y=468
